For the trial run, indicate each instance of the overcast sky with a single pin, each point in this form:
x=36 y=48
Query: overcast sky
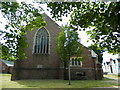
x=82 y=34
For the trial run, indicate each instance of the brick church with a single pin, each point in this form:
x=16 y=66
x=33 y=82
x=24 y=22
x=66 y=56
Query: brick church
x=44 y=63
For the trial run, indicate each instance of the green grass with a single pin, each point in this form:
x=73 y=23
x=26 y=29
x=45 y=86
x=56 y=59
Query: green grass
x=7 y=83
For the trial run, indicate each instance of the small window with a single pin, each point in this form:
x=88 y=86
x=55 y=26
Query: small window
x=75 y=62
x=72 y=61
x=41 y=42
x=78 y=62
x=3 y=67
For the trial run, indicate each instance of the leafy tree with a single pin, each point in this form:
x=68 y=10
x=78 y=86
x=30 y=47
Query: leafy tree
x=5 y=53
x=20 y=19
x=0 y=50
x=68 y=45
x=103 y=17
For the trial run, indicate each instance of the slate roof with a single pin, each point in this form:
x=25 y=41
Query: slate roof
x=8 y=63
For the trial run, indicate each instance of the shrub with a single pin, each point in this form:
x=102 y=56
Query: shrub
x=118 y=74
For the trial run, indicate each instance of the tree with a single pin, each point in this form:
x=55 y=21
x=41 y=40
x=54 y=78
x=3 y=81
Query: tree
x=103 y=17
x=5 y=54
x=68 y=45
x=20 y=19
x=0 y=50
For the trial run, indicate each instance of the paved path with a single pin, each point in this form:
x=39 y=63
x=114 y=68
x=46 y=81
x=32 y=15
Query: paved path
x=113 y=80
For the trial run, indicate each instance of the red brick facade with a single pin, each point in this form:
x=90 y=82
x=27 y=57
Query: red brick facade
x=4 y=68
x=49 y=66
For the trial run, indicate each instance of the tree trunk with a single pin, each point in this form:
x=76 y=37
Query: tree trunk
x=65 y=70
x=69 y=74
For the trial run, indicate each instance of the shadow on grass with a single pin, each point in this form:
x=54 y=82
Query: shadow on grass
x=7 y=83
x=64 y=83
x=43 y=83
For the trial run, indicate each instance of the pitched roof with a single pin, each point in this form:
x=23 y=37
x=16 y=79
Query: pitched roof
x=8 y=63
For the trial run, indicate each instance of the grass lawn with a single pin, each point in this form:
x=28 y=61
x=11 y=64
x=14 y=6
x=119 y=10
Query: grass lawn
x=7 y=83
x=112 y=76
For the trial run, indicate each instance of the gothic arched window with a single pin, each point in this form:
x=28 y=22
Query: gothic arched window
x=41 y=42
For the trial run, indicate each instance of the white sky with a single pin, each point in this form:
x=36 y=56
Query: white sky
x=84 y=37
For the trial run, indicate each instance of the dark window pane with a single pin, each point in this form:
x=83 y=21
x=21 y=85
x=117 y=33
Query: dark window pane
x=78 y=62
x=75 y=62
x=42 y=42
x=72 y=61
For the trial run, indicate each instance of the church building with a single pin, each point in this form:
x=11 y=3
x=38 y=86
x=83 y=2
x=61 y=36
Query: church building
x=44 y=63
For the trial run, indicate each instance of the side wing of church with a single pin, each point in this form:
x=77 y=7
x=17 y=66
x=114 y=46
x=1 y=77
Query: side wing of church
x=44 y=63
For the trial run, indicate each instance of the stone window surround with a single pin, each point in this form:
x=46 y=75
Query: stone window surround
x=3 y=68
x=75 y=63
x=33 y=51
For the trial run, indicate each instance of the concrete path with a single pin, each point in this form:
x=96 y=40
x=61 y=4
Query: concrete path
x=109 y=88
x=111 y=78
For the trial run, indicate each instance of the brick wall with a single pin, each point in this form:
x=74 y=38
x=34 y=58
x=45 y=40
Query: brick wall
x=51 y=67
x=3 y=68
x=27 y=69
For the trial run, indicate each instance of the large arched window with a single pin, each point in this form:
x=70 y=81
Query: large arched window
x=41 y=42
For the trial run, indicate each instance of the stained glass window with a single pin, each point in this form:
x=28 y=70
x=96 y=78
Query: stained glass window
x=41 y=42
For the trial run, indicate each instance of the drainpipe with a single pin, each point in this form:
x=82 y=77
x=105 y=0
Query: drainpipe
x=94 y=67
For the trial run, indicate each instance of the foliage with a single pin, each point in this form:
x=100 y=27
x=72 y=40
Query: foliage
x=0 y=50
x=103 y=17
x=5 y=54
x=20 y=18
x=118 y=74
x=23 y=17
x=68 y=44
x=60 y=45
